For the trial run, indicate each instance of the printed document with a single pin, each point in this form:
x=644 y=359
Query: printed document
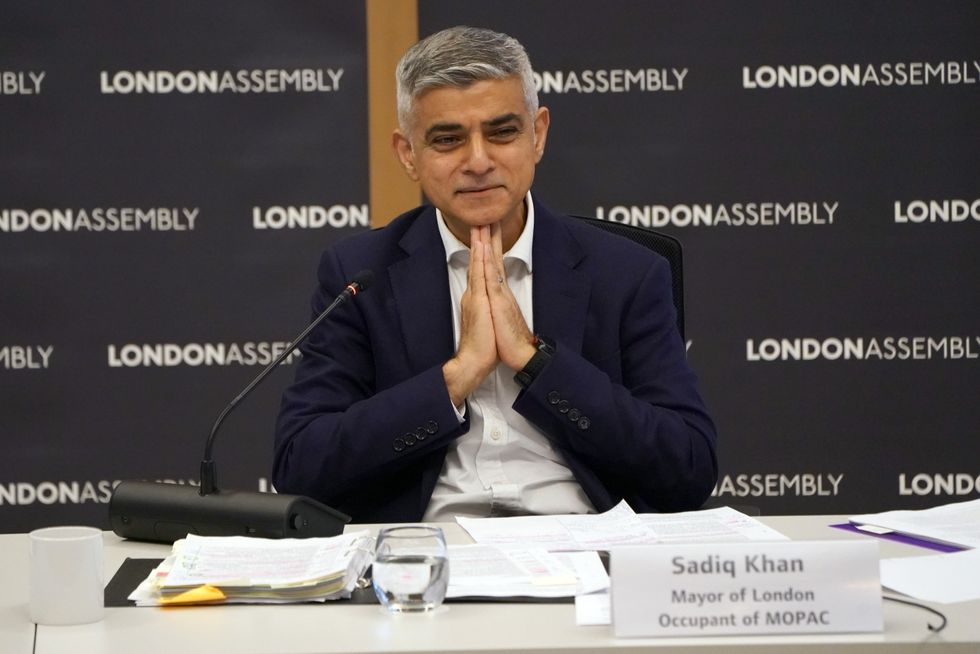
x=945 y=578
x=721 y=525
x=954 y=524
x=491 y=571
x=618 y=526
x=239 y=569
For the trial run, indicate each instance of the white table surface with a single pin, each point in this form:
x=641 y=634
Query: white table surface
x=16 y=628
x=458 y=627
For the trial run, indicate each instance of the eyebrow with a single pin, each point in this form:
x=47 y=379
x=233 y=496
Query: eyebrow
x=501 y=120
x=455 y=127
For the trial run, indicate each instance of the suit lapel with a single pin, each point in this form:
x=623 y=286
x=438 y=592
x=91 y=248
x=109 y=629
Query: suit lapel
x=561 y=292
x=420 y=286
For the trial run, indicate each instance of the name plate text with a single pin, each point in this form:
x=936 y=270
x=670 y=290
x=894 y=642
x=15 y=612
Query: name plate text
x=746 y=588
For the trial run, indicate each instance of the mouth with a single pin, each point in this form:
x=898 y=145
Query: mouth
x=476 y=190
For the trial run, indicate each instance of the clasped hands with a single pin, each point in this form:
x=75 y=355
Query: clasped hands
x=492 y=328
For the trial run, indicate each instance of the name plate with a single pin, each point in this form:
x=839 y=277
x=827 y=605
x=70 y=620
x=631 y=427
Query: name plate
x=746 y=588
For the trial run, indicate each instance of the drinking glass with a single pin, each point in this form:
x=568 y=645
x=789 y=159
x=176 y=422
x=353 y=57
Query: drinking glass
x=411 y=570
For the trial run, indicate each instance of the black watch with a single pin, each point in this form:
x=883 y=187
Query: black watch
x=537 y=363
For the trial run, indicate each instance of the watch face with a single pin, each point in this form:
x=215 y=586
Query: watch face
x=544 y=344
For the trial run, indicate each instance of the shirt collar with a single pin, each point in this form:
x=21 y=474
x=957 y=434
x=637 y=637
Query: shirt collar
x=521 y=251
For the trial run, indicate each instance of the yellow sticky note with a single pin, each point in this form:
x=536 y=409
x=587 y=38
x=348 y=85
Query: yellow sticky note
x=201 y=595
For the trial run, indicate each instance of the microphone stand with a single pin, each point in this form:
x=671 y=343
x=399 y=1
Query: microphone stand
x=209 y=482
x=152 y=511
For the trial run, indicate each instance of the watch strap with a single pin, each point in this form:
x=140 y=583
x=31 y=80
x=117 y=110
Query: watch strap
x=537 y=363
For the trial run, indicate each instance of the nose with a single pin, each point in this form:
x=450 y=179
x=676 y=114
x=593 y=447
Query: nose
x=478 y=160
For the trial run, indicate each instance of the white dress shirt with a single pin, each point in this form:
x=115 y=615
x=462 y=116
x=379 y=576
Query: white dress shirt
x=503 y=465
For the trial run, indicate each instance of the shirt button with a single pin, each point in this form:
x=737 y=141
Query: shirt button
x=398 y=444
x=574 y=415
x=563 y=406
x=584 y=423
x=495 y=434
x=554 y=397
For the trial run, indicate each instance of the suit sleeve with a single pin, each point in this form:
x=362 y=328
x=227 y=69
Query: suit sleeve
x=337 y=430
x=635 y=420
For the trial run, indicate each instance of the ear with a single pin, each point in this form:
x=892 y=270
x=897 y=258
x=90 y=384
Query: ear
x=406 y=156
x=542 y=120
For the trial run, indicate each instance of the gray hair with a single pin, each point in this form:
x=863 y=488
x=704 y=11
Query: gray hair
x=458 y=57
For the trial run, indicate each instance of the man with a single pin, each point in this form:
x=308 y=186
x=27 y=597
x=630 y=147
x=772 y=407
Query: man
x=431 y=395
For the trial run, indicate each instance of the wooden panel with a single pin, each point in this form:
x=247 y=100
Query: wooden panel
x=392 y=27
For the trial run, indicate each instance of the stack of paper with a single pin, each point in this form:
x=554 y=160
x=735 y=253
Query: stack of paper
x=532 y=556
x=236 y=569
x=616 y=527
x=568 y=537
x=954 y=524
x=491 y=571
x=953 y=577
x=944 y=578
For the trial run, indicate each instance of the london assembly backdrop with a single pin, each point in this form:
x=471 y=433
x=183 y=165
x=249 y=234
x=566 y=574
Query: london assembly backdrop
x=170 y=174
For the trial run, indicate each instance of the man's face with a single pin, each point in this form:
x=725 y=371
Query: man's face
x=473 y=150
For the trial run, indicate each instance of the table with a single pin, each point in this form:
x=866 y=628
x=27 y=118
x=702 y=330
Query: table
x=472 y=628
x=16 y=628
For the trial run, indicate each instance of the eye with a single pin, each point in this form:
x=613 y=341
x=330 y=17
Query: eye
x=445 y=141
x=507 y=133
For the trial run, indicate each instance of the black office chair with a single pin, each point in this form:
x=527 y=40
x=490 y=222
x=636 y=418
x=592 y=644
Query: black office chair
x=666 y=246
x=670 y=249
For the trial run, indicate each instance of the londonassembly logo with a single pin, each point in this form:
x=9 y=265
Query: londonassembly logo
x=953 y=484
x=337 y=216
x=807 y=484
x=56 y=492
x=26 y=357
x=831 y=75
x=937 y=211
x=170 y=355
x=736 y=214
x=610 y=80
x=187 y=82
x=21 y=82
x=885 y=348
x=99 y=219
x=65 y=492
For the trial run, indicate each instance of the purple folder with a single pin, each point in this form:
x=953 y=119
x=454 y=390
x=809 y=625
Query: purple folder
x=903 y=538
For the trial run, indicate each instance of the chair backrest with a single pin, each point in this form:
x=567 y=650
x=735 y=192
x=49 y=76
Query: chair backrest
x=666 y=246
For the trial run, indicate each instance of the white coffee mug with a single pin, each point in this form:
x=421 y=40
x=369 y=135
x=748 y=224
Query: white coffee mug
x=66 y=575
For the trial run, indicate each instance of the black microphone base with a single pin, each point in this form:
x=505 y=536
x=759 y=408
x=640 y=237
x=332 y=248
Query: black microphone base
x=163 y=513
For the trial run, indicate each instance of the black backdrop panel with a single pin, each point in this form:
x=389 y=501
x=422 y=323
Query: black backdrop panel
x=795 y=149
x=166 y=190
x=169 y=175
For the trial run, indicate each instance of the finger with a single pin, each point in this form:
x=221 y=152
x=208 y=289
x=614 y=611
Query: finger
x=497 y=240
x=484 y=233
x=496 y=280
x=475 y=277
x=495 y=253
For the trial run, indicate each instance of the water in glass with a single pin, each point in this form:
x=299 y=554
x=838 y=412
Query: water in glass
x=410 y=571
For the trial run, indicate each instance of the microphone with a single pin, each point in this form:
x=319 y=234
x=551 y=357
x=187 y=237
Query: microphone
x=144 y=510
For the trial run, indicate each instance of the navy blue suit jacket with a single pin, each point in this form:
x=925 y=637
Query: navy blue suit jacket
x=365 y=426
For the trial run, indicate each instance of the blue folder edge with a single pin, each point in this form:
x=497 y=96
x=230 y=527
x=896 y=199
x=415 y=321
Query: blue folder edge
x=902 y=538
